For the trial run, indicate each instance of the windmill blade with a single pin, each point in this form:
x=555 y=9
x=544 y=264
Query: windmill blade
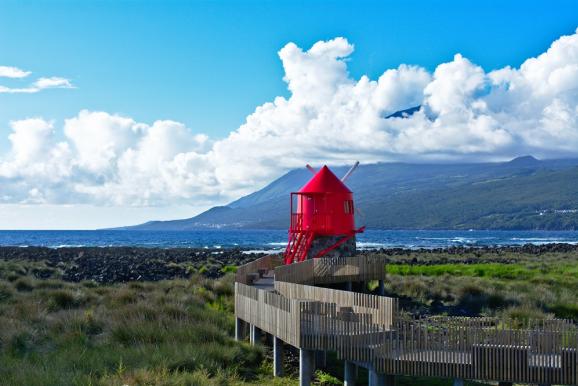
x=346 y=176
x=361 y=218
x=311 y=169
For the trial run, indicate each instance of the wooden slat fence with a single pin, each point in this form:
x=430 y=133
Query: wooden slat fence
x=266 y=263
x=333 y=270
x=542 y=352
x=270 y=312
x=370 y=329
x=382 y=309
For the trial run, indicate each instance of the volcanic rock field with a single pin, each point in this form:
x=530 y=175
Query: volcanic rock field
x=123 y=264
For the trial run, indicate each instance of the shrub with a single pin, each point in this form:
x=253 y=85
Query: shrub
x=325 y=379
x=50 y=284
x=229 y=269
x=24 y=284
x=89 y=284
x=523 y=314
x=223 y=288
x=565 y=311
x=125 y=296
x=6 y=292
x=64 y=299
x=20 y=344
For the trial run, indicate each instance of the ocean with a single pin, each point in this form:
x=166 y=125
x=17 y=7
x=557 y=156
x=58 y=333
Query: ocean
x=275 y=240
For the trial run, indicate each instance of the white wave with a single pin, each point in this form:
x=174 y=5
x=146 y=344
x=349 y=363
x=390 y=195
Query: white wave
x=270 y=251
x=553 y=239
x=66 y=246
x=367 y=245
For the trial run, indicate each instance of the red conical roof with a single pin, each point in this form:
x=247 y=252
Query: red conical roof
x=324 y=181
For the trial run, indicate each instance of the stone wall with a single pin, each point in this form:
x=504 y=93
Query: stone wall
x=322 y=242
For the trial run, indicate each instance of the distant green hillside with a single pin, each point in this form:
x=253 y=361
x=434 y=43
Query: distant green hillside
x=524 y=193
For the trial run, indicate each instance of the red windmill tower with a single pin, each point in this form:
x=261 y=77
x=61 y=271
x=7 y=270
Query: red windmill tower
x=322 y=218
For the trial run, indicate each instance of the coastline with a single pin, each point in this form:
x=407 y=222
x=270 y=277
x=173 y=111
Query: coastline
x=126 y=264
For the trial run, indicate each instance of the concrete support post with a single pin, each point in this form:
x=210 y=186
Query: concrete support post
x=306 y=358
x=381 y=288
x=277 y=357
x=238 y=329
x=255 y=334
x=376 y=379
x=458 y=382
x=349 y=374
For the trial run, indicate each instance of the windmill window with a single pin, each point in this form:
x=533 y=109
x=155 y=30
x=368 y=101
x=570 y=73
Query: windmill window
x=348 y=206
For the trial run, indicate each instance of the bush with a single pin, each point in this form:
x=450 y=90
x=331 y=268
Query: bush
x=6 y=292
x=64 y=300
x=24 y=284
x=125 y=296
x=223 y=288
x=324 y=379
x=523 y=314
x=565 y=311
x=20 y=344
x=50 y=284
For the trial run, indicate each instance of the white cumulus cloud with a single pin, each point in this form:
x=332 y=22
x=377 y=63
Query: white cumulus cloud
x=465 y=113
x=52 y=82
x=38 y=85
x=13 y=72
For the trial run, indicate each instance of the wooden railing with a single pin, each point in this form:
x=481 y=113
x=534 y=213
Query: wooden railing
x=270 y=312
x=495 y=349
x=246 y=273
x=369 y=329
x=333 y=270
x=381 y=309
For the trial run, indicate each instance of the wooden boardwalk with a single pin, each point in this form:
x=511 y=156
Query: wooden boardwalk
x=370 y=330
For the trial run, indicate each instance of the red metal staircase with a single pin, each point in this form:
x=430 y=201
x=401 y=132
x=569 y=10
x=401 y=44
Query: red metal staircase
x=298 y=246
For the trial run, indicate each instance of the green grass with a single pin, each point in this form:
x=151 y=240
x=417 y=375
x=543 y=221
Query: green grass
x=490 y=270
x=175 y=332
x=564 y=274
x=179 y=332
x=516 y=285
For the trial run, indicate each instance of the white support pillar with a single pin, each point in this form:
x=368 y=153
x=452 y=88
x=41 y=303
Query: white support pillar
x=349 y=373
x=376 y=379
x=255 y=334
x=306 y=358
x=277 y=357
x=238 y=329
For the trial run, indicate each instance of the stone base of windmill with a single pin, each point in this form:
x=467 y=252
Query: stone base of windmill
x=320 y=243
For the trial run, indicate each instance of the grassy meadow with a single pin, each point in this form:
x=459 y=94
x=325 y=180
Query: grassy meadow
x=176 y=332
x=497 y=283
x=180 y=331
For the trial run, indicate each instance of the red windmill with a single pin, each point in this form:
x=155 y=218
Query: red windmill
x=322 y=218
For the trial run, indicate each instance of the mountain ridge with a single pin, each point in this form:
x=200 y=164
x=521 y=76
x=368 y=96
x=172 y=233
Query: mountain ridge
x=524 y=193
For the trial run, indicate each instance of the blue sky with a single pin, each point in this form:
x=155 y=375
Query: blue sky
x=208 y=65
